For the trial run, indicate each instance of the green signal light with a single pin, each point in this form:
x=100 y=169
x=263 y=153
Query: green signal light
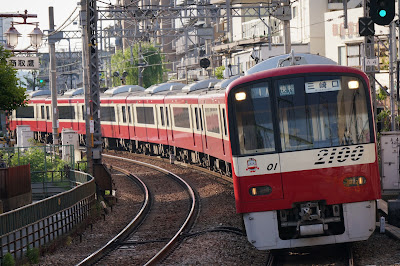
x=41 y=81
x=382 y=13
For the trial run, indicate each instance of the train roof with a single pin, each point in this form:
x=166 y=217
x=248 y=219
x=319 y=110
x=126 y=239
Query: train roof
x=74 y=92
x=168 y=86
x=290 y=60
x=124 y=88
x=297 y=69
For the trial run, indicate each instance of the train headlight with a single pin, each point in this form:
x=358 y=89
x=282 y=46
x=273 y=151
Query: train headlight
x=240 y=96
x=353 y=84
x=260 y=191
x=354 y=181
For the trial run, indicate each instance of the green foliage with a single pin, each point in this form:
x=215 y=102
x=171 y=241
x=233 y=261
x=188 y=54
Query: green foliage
x=8 y=260
x=383 y=117
x=33 y=255
x=219 y=72
x=153 y=72
x=40 y=162
x=382 y=95
x=11 y=95
x=32 y=83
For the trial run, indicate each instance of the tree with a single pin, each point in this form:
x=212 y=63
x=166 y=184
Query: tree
x=11 y=95
x=219 y=72
x=128 y=62
x=32 y=81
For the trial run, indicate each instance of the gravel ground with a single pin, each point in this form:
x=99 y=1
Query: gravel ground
x=208 y=248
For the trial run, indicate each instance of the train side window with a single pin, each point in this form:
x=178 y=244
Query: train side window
x=211 y=117
x=107 y=113
x=48 y=112
x=25 y=112
x=224 y=122
x=181 y=117
x=145 y=115
x=123 y=114
x=66 y=112
x=196 y=115
x=42 y=113
x=167 y=115
x=162 y=115
x=83 y=112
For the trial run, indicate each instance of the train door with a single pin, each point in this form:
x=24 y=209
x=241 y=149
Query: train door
x=224 y=129
x=168 y=124
x=162 y=124
x=81 y=119
x=203 y=128
x=75 y=124
x=131 y=122
x=141 y=121
x=197 y=128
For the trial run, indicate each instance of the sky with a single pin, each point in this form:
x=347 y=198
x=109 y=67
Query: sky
x=62 y=10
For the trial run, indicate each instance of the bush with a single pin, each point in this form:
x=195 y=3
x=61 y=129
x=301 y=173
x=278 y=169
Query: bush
x=33 y=255
x=40 y=161
x=8 y=260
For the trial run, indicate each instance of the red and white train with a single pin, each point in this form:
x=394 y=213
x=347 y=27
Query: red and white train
x=296 y=134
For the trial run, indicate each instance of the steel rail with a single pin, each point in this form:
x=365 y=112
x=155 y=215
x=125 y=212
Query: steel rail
x=189 y=221
x=133 y=225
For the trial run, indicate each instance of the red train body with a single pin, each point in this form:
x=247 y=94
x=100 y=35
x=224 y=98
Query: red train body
x=299 y=142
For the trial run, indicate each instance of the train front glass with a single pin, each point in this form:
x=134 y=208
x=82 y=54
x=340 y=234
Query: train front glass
x=300 y=113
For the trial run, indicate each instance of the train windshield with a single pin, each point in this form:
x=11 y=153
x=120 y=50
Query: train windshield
x=301 y=113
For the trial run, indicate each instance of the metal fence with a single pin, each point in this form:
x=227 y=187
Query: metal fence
x=38 y=223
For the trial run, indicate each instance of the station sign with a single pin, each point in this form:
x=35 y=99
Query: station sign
x=21 y=62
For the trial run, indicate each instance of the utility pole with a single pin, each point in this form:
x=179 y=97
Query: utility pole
x=140 y=64
x=85 y=66
x=53 y=78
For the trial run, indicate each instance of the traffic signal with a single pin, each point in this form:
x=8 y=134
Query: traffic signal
x=41 y=81
x=382 y=11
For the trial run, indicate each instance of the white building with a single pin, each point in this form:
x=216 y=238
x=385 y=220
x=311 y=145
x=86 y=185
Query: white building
x=316 y=27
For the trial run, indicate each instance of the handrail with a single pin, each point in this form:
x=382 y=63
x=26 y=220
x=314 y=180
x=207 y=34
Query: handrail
x=33 y=212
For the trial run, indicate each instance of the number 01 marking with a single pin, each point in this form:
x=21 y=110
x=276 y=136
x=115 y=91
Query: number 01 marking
x=272 y=166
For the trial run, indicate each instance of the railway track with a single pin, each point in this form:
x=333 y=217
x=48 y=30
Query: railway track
x=151 y=212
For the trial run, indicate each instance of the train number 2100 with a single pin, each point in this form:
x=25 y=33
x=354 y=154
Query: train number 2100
x=340 y=155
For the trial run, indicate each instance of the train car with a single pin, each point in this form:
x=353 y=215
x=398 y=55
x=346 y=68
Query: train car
x=304 y=154
x=187 y=122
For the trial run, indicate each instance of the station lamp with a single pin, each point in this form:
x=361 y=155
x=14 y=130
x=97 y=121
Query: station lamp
x=36 y=37
x=12 y=37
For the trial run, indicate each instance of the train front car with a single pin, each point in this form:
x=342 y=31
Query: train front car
x=304 y=155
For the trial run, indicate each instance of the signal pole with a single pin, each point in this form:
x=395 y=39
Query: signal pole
x=369 y=48
x=94 y=83
x=91 y=83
